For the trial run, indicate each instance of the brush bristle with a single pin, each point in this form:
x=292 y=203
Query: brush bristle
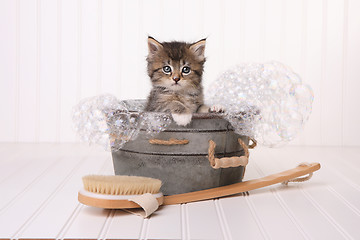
x=121 y=185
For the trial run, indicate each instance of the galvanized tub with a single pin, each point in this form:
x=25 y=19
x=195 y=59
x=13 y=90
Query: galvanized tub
x=183 y=168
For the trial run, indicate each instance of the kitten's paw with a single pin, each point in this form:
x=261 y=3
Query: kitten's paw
x=203 y=109
x=217 y=109
x=182 y=119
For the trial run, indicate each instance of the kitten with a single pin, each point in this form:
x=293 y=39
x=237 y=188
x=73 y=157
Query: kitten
x=175 y=70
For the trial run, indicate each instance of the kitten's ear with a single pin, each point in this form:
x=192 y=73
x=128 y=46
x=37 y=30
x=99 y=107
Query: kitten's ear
x=198 y=48
x=154 y=46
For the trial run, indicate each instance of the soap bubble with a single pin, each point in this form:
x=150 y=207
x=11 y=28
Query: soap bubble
x=266 y=101
x=104 y=120
x=155 y=122
x=109 y=122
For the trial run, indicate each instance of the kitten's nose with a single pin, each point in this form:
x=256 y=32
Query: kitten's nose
x=176 y=79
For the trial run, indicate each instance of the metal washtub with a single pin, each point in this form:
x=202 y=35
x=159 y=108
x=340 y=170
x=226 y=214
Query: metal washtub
x=184 y=167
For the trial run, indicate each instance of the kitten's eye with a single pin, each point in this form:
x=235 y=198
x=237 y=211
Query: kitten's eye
x=186 y=70
x=167 y=69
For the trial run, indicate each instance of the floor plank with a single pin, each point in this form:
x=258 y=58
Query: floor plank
x=62 y=204
x=39 y=184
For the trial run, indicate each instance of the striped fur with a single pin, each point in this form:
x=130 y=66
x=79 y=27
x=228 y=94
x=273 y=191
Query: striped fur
x=184 y=96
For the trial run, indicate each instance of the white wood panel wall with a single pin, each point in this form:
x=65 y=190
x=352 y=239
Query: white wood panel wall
x=55 y=52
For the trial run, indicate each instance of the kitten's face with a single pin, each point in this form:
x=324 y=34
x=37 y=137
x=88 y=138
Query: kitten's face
x=177 y=66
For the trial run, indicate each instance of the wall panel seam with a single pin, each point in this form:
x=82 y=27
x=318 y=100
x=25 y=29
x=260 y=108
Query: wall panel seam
x=17 y=78
x=323 y=60
x=99 y=48
x=330 y=219
x=79 y=49
x=344 y=66
x=59 y=70
x=38 y=69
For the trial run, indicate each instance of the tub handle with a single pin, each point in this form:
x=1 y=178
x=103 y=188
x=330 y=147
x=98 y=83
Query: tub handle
x=227 y=162
x=171 y=141
x=253 y=143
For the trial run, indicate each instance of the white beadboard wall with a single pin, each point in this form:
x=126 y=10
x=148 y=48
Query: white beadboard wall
x=55 y=52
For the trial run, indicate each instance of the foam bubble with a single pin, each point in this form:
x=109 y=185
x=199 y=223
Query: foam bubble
x=266 y=101
x=109 y=122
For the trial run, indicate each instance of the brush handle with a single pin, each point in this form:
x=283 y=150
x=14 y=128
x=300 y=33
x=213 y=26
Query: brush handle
x=104 y=201
x=242 y=186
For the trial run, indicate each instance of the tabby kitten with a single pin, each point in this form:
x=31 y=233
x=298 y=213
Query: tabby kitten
x=175 y=70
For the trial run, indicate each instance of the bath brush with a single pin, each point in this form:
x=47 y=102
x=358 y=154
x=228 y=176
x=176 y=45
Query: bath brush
x=115 y=191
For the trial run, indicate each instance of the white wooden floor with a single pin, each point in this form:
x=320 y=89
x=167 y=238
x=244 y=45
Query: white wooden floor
x=39 y=184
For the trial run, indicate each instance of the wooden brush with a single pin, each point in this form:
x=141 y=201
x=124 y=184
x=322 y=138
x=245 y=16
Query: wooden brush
x=105 y=191
x=114 y=192
x=282 y=177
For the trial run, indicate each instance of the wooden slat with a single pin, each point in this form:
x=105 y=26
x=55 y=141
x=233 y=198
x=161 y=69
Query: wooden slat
x=212 y=12
x=331 y=85
x=70 y=70
x=342 y=163
x=24 y=195
x=292 y=51
x=306 y=214
x=48 y=71
x=192 y=27
x=8 y=69
x=124 y=225
x=88 y=48
x=312 y=131
x=201 y=227
x=344 y=219
x=109 y=46
x=56 y=52
x=64 y=196
x=241 y=219
x=165 y=224
x=328 y=206
x=323 y=197
x=273 y=23
x=153 y=10
x=130 y=41
x=13 y=167
x=8 y=163
x=254 y=31
x=143 y=84
x=276 y=221
x=173 y=10
x=14 y=185
x=351 y=117
x=28 y=79
x=233 y=35
x=88 y=222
